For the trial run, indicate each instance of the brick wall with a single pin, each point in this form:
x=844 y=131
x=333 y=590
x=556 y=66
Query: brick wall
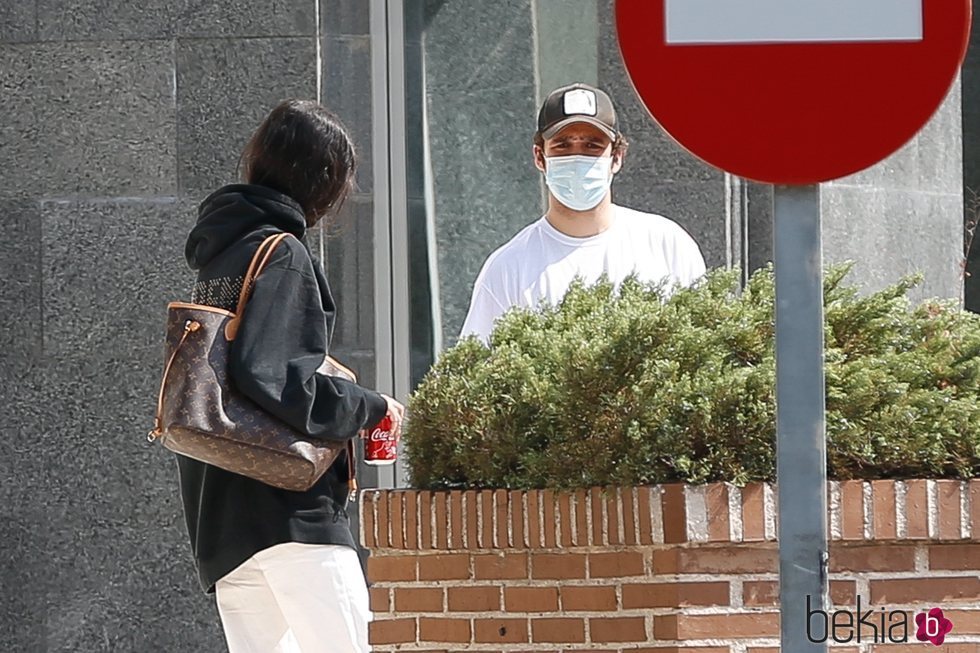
x=656 y=569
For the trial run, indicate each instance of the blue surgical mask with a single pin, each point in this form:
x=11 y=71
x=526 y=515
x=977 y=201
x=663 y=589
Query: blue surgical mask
x=578 y=182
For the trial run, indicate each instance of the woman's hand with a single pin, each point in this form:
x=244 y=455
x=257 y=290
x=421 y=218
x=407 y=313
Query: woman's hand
x=396 y=413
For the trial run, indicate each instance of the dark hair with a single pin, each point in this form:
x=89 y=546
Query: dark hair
x=302 y=150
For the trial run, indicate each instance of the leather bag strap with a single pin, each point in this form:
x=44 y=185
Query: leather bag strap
x=255 y=267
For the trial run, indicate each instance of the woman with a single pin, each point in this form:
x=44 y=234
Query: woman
x=283 y=564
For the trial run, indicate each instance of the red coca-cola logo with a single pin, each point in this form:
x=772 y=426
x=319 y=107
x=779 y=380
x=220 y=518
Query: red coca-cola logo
x=377 y=435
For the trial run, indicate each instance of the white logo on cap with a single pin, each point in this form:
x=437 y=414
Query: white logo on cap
x=580 y=101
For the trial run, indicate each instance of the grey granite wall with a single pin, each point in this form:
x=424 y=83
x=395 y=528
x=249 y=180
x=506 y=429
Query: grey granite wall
x=970 y=88
x=116 y=118
x=482 y=103
x=904 y=215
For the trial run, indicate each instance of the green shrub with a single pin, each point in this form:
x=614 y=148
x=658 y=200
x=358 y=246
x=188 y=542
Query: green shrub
x=632 y=388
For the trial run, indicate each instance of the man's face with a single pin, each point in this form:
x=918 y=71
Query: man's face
x=579 y=138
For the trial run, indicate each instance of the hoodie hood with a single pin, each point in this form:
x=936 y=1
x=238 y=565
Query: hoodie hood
x=233 y=211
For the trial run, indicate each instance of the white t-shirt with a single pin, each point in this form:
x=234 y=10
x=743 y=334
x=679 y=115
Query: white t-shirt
x=540 y=263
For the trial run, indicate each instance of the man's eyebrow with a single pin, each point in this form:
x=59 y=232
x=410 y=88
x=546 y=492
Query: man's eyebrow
x=590 y=138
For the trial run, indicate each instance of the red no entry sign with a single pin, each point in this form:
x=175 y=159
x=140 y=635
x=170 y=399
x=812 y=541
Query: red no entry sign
x=792 y=91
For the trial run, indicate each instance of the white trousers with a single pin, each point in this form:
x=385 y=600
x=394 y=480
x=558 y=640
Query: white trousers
x=296 y=598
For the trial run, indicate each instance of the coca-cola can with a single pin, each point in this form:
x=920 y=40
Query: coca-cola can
x=381 y=444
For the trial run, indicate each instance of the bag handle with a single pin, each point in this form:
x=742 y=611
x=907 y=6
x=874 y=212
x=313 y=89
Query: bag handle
x=258 y=263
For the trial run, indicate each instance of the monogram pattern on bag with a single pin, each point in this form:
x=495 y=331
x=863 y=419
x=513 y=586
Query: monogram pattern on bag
x=204 y=417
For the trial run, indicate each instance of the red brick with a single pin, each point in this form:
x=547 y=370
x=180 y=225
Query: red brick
x=557 y=565
x=447 y=566
x=925 y=590
x=411 y=520
x=588 y=599
x=486 y=519
x=391 y=568
x=753 y=512
x=595 y=504
x=674 y=595
x=437 y=629
x=616 y=564
x=457 y=525
x=533 y=519
x=674 y=509
x=367 y=519
x=760 y=593
x=916 y=510
x=418 y=599
x=530 y=599
x=766 y=593
x=965 y=622
x=397 y=520
x=852 y=510
x=948 y=506
x=716 y=626
x=716 y=503
x=565 y=516
x=612 y=516
x=391 y=631
x=471 y=516
x=500 y=499
x=883 y=510
x=618 y=629
x=644 y=501
x=629 y=516
x=581 y=518
x=480 y=598
x=843 y=592
x=384 y=522
x=558 y=630
x=549 y=520
x=425 y=520
x=743 y=559
x=504 y=631
x=380 y=599
x=500 y=566
x=517 y=518
x=958 y=557
x=442 y=520
x=865 y=558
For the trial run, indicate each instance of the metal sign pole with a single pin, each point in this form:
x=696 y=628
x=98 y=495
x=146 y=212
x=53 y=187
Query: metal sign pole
x=801 y=467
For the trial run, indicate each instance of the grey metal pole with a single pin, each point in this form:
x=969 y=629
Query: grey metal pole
x=801 y=467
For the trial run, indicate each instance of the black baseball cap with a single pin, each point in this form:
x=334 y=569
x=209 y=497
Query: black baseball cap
x=577 y=103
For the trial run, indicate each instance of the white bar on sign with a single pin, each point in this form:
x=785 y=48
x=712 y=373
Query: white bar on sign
x=788 y=21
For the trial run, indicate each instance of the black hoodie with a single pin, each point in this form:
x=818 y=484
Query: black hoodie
x=283 y=337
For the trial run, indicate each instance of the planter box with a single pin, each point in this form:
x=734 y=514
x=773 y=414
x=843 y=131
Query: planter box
x=658 y=568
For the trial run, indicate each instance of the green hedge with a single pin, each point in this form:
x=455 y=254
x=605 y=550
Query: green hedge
x=630 y=388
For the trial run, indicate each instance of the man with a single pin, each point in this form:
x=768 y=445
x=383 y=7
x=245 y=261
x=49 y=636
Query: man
x=579 y=148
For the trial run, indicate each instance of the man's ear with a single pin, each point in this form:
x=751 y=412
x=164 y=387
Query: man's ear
x=538 y=157
x=617 y=162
